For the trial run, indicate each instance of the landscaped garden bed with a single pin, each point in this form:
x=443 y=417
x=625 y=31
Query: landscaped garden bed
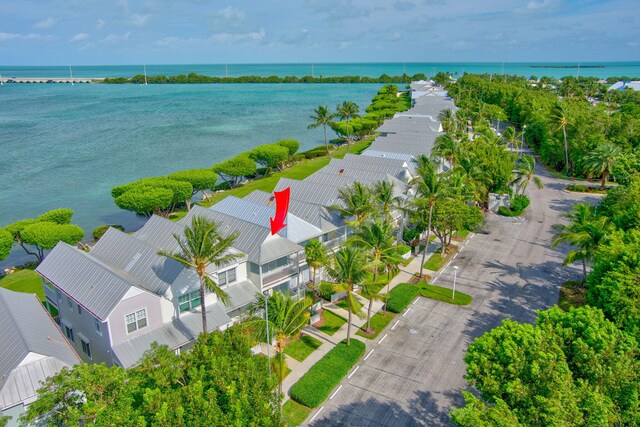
x=301 y=348
x=379 y=321
x=314 y=387
x=330 y=322
x=579 y=188
x=437 y=261
x=295 y=413
x=402 y=295
x=444 y=294
x=572 y=294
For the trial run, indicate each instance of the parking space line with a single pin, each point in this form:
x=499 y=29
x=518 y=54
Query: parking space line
x=395 y=324
x=353 y=372
x=382 y=339
x=335 y=392
x=316 y=414
x=406 y=311
x=414 y=303
x=454 y=257
x=367 y=356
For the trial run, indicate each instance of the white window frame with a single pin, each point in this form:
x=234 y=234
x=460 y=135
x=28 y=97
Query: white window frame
x=85 y=343
x=225 y=274
x=97 y=326
x=138 y=316
x=69 y=326
x=191 y=306
x=69 y=303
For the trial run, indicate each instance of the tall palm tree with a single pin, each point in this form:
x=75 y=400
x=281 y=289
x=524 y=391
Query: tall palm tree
x=286 y=318
x=512 y=138
x=376 y=237
x=316 y=256
x=371 y=291
x=449 y=121
x=525 y=168
x=586 y=231
x=322 y=117
x=357 y=202
x=560 y=117
x=602 y=160
x=430 y=188
x=347 y=111
x=203 y=245
x=347 y=270
x=447 y=147
x=384 y=199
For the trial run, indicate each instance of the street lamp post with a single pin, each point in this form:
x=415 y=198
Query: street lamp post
x=455 y=276
x=266 y=318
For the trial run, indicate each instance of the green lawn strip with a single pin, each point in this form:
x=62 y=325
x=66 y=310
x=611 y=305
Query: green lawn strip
x=26 y=280
x=436 y=261
x=379 y=321
x=572 y=294
x=314 y=387
x=407 y=262
x=444 y=294
x=298 y=171
x=461 y=235
x=301 y=348
x=402 y=295
x=332 y=322
x=295 y=413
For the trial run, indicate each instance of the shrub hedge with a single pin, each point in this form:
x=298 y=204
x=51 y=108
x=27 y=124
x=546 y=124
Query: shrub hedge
x=99 y=231
x=401 y=296
x=314 y=387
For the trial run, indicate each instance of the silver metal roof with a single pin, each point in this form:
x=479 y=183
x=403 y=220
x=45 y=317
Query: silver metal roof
x=158 y=232
x=26 y=328
x=309 y=192
x=95 y=285
x=410 y=124
x=296 y=230
x=390 y=155
x=240 y=294
x=138 y=258
x=355 y=169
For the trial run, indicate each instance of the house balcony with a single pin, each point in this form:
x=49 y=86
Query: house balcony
x=279 y=274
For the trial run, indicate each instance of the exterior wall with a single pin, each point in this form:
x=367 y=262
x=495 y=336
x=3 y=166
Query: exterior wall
x=14 y=412
x=83 y=325
x=130 y=305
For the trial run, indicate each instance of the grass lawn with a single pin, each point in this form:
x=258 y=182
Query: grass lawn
x=298 y=171
x=571 y=295
x=26 y=280
x=461 y=235
x=436 y=261
x=402 y=295
x=331 y=322
x=379 y=321
x=295 y=413
x=407 y=262
x=444 y=294
x=301 y=348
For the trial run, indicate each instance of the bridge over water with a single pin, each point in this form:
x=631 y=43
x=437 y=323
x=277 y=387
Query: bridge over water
x=73 y=80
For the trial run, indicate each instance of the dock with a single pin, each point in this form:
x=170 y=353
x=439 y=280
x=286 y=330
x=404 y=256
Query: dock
x=73 y=80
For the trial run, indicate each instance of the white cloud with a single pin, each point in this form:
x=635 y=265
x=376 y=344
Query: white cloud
x=9 y=36
x=238 y=37
x=100 y=24
x=112 y=38
x=45 y=23
x=78 y=37
x=136 y=20
x=31 y=36
x=231 y=13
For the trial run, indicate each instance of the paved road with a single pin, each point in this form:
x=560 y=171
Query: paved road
x=415 y=374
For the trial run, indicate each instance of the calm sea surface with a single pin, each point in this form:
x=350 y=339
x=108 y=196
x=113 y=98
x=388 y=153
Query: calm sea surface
x=66 y=146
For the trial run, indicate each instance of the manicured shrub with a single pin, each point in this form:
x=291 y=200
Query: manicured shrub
x=314 y=387
x=519 y=202
x=99 y=231
x=402 y=249
x=401 y=296
x=505 y=211
x=290 y=144
x=298 y=157
x=315 y=152
x=59 y=216
x=234 y=169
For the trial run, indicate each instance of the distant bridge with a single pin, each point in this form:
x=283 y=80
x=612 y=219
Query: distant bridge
x=74 y=80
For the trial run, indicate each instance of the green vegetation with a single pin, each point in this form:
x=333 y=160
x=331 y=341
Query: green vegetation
x=444 y=294
x=35 y=236
x=314 y=387
x=295 y=413
x=331 y=322
x=218 y=382
x=199 y=78
x=302 y=348
x=437 y=260
x=401 y=296
x=579 y=188
x=98 y=232
x=159 y=195
x=25 y=280
x=572 y=294
x=379 y=321
x=519 y=203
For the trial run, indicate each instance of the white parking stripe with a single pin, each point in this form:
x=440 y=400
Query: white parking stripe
x=395 y=324
x=316 y=414
x=385 y=335
x=372 y=350
x=335 y=392
x=354 y=371
x=406 y=311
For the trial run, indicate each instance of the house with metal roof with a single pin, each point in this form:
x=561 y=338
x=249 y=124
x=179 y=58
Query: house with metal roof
x=32 y=349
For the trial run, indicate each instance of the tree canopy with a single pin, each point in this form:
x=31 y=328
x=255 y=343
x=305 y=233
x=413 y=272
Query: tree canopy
x=152 y=195
x=236 y=168
x=270 y=156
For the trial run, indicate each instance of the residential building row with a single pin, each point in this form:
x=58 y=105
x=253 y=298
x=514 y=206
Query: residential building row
x=112 y=302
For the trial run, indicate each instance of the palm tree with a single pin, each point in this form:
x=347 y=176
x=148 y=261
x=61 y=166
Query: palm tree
x=560 y=117
x=383 y=197
x=347 y=270
x=357 y=202
x=375 y=237
x=523 y=172
x=512 y=138
x=447 y=147
x=286 y=318
x=430 y=186
x=316 y=256
x=322 y=117
x=586 y=231
x=203 y=245
x=346 y=111
x=602 y=160
x=448 y=119
x=371 y=291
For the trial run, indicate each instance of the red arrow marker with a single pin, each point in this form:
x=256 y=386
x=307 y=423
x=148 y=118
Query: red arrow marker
x=282 y=209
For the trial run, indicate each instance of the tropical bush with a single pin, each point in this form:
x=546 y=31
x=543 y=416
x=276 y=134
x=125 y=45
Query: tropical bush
x=314 y=387
x=98 y=232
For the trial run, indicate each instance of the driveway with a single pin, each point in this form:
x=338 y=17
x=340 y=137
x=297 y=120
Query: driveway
x=413 y=375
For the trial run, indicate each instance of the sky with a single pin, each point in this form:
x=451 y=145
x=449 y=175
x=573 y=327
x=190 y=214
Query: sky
x=112 y=32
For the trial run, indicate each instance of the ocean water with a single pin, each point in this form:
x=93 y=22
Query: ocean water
x=67 y=146
x=596 y=69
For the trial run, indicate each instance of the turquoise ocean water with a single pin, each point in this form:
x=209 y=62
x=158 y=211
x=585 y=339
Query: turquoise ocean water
x=66 y=146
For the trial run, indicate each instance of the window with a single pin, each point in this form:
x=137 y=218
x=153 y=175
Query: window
x=68 y=331
x=98 y=326
x=225 y=277
x=189 y=301
x=69 y=304
x=79 y=310
x=86 y=347
x=272 y=265
x=137 y=320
